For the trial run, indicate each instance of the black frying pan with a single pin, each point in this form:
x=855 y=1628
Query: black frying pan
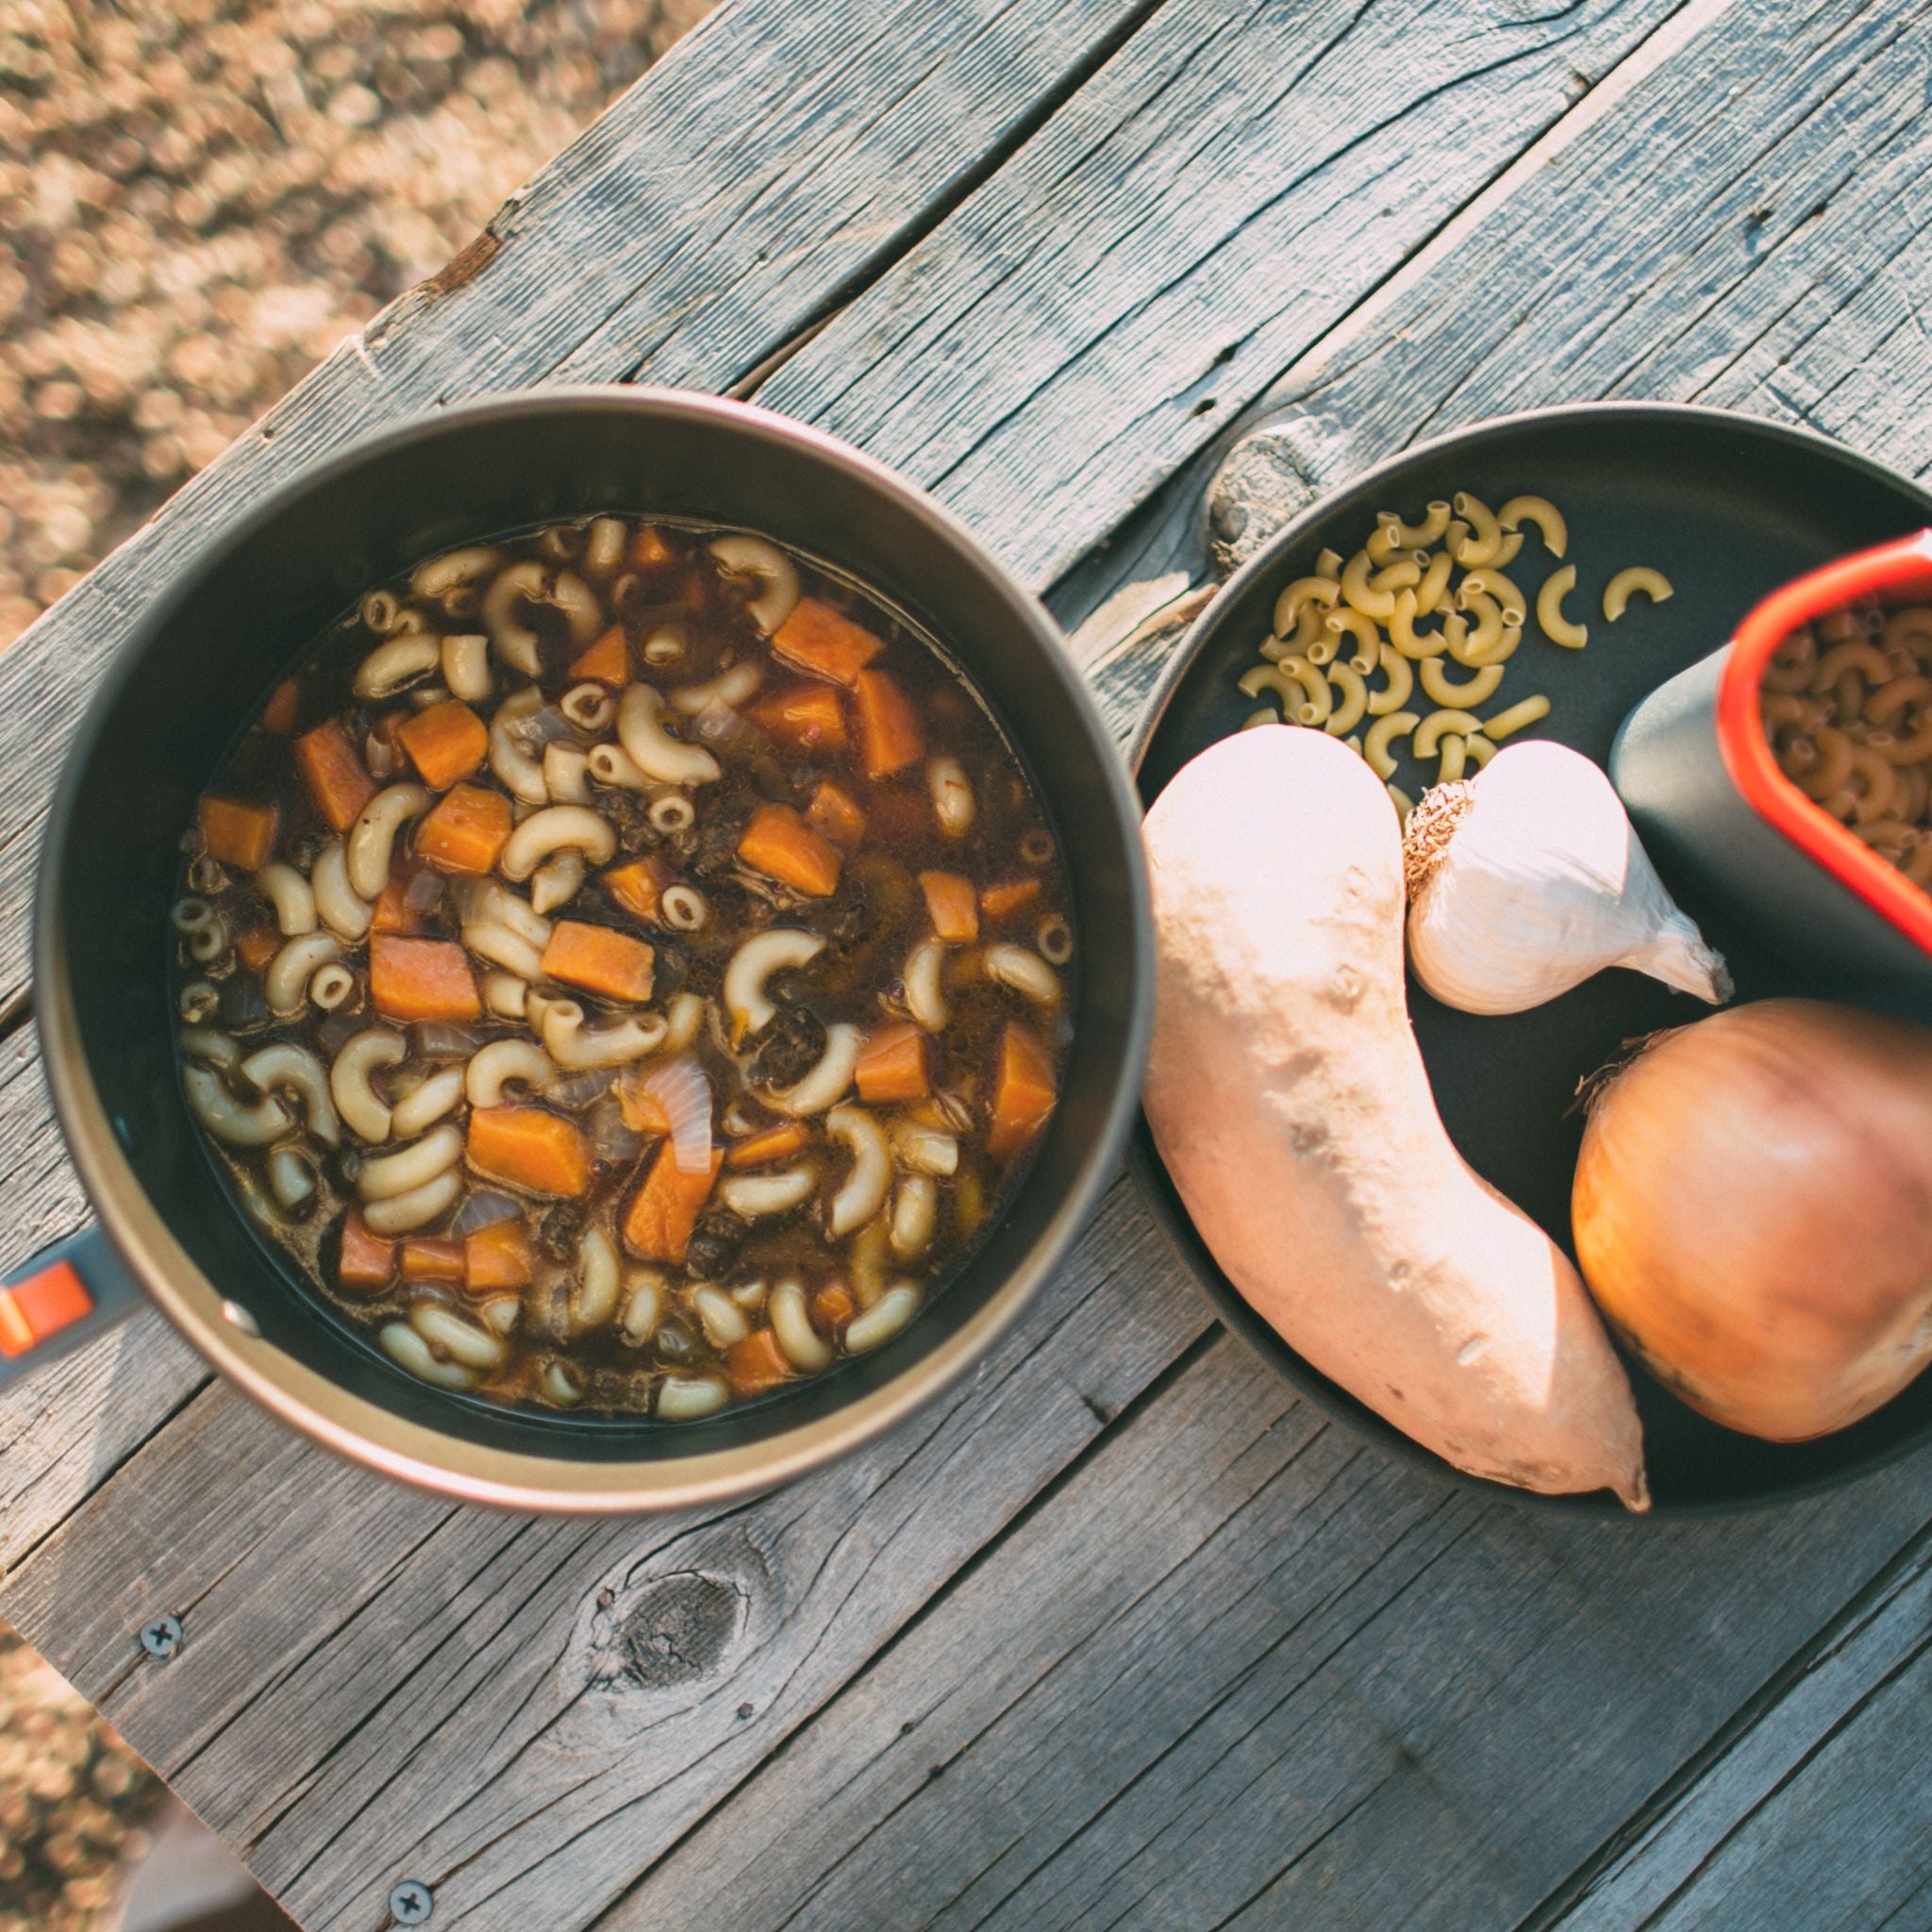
x=1729 y=508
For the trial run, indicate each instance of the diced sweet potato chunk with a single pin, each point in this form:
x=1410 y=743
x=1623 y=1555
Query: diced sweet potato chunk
x=421 y=979
x=835 y=814
x=465 y=830
x=1009 y=896
x=432 y=1258
x=769 y=1145
x=892 y=1065
x=953 y=906
x=333 y=771
x=819 y=638
x=664 y=1212
x=806 y=717
x=600 y=960
x=238 y=833
x=781 y=844
x=607 y=661
x=445 y=743
x=889 y=734
x=1023 y=1092
x=637 y=885
x=499 y=1257
x=530 y=1147
x=367 y=1261
x=755 y=1364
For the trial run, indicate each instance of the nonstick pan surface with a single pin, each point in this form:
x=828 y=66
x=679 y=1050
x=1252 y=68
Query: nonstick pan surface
x=1729 y=507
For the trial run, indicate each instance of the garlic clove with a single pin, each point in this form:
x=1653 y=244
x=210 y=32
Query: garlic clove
x=1529 y=878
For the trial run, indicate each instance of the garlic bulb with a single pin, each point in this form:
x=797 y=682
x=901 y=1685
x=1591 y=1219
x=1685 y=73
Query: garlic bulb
x=1528 y=878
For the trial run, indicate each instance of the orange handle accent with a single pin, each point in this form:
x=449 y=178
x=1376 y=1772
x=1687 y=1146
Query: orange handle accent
x=40 y=1307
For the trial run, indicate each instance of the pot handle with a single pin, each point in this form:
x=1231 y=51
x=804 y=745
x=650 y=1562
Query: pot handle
x=66 y=1296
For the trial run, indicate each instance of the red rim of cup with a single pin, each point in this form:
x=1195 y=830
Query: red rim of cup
x=1893 y=571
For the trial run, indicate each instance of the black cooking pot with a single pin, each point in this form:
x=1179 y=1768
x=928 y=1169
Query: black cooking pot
x=204 y=660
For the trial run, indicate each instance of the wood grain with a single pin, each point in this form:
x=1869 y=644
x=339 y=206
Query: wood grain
x=1227 y=188
x=64 y=1431
x=1241 y=1664
x=499 y=1681
x=1813 y=1811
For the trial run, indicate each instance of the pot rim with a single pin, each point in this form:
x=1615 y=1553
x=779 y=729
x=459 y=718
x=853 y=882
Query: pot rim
x=379 y=1438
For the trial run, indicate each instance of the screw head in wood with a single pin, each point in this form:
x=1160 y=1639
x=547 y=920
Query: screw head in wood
x=411 y=1903
x=162 y=1638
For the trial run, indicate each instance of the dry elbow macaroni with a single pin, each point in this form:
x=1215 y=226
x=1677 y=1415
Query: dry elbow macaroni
x=1430 y=601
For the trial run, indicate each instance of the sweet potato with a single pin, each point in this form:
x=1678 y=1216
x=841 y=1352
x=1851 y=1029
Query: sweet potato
x=238 y=832
x=333 y=771
x=255 y=947
x=807 y=717
x=528 y=1147
x=445 y=743
x=781 y=844
x=889 y=734
x=651 y=549
x=284 y=705
x=664 y=1212
x=1291 y=1107
x=637 y=885
x=432 y=1258
x=769 y=1145
x=755 y=1364
x=421 y=979
x=817 y=638
x=367 y=1261
x=832 y=1308
x=392 y=913
x=600 y=960
x=1006 y=897
x=465 y=830
x=835 y=814
x=892 y=1066
x=499 y=1257
x=1022 y=1091
x=607 y=661
x=951 y=904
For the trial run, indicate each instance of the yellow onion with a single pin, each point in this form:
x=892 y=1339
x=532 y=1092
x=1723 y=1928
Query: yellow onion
x=1753 y=1212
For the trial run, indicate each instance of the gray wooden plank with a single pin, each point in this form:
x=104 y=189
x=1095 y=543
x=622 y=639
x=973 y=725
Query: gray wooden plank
x=65 y=1430
x=375 y=1685
x=1242 y=1663
x=775 y=156
x=1225 y=191
x=1814 y=1813
x=1772 y=258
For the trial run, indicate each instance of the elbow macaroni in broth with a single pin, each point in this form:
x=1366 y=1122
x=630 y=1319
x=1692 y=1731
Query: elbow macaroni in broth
x=622 y=968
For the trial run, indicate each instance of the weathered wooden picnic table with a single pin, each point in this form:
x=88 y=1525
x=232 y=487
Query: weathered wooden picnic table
x=1122 y=1633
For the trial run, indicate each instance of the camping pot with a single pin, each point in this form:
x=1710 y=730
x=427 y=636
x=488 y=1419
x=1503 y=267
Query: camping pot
x=198 y=665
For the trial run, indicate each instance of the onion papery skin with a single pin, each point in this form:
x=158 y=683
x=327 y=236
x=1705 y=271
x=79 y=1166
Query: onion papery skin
x=1753 y=1212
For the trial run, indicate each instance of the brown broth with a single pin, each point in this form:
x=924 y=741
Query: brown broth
x=722 y=1324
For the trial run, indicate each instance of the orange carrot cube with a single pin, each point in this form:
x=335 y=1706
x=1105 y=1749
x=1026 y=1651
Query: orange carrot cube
x=889 y=734
x=954 y=910
x=664 y=1212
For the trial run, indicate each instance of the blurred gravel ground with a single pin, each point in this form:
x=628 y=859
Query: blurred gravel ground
x=74 y=1800
x=198 y=198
